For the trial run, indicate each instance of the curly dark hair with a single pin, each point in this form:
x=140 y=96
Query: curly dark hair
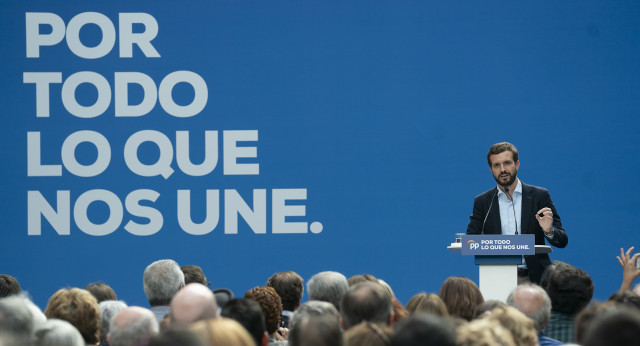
x=78 y=307
x=270 y=303
x=289 y=286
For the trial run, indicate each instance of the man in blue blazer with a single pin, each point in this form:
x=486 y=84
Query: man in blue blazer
x=513 y=207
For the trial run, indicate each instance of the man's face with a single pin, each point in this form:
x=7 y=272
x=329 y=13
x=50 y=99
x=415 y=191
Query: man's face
x=503 y=168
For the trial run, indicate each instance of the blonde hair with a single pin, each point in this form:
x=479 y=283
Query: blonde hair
x=484 y=332
x=222 y=332
x=520 y=326
x=429 y=303
x=78 y=307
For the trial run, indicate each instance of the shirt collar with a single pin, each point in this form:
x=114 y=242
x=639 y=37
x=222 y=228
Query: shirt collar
x=518 y=189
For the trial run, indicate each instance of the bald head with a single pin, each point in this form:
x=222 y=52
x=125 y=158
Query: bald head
x=195 y=302
x=532 y=301
x=132 y=326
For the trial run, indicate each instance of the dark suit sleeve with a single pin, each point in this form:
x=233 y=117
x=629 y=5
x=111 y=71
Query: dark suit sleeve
x=476 y=218
x=559 y=238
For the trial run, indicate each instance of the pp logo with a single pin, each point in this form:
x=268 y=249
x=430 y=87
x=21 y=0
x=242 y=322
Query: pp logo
x=472 y=245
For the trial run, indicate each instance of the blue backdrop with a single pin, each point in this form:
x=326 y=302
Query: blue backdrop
x=363 y=124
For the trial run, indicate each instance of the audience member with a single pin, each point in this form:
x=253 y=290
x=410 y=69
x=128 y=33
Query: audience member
x=388 y=288
x=8 y=286
x=570 y=290
x=17 y=321
x=461 y=296
x=193 y=274
x=361 y=278
x=132 y=326
x=161 y=281
x=424 y=329
x=368 y=334
x=101 y=291
x=222 y=332
x=328 y=286
x=108 y=309
x=534 y=302
x=626 y=298
x=78 y=307
x=315 y=308
x=315 y=330
x=249 y=314
x=176 y=336
x=56 y=332
x=630 y=269
x=427 y=303
x=290 y=287
x=520 y=326
x=195 y=302
x=271 y=306
x=484 y=332
x=586 y=316
x=617 y=326
x=366 y=302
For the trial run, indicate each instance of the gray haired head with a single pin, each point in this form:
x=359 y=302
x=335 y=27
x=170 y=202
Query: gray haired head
x=161 y=281
x=315 y=308
x=56 y=332
x=329 y=287
x=108 y=309
x=16 y=319
x=534 y=302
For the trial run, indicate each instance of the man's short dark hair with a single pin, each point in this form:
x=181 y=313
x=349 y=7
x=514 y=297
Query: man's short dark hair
x=193 y=274
x=176 y=335
x=423 y=329
x=570 y=290
x=101 y=291
x=8 y=285
x=500 y=148
x=289 y=286
x=366 y=302
x=618 y=326
x=314 y=330
x=248 y=313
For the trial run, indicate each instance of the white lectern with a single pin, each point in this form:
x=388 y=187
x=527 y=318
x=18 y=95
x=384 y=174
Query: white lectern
x=498 y=273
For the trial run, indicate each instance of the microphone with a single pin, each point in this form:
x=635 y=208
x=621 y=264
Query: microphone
x=488 y=211
x=515 y=220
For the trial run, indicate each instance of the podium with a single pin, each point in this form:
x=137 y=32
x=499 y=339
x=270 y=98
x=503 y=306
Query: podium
x=498 y=272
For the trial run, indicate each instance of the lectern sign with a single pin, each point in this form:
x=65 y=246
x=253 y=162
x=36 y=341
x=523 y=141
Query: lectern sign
x=498 y=245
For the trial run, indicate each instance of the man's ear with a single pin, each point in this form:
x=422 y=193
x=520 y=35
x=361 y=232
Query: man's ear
x=342 y=323
x=391 y=317
x=265 y=339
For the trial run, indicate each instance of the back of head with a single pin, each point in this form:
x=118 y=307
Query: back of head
x=520 y=326
x=79 y=308
x=427 y=303
x=485 y=308
x=8 y=286
x=132 y=326
x=570 y=290
x=626 y=298
x=194 y=274
x=328 y=287
x=586 y=316
x=532 y=301
x=56 y=332
x=101 y=291
x=108 y=309
x=248 y=313
x=222 y=332
x=484 y=332
x=424 y=329
x=161 y=281
x=176 y=336
x=270 y=303
x=289 y=286
x=366 y=302
x=361 y=278
x=195 y=302
x=16 y=320
x=619 y=326
x=315 y=308
x=368 y=334
x=315 y=331
x=461 y=296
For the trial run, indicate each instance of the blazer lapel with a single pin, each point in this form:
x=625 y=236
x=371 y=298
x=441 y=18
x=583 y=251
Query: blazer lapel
x=526 y=212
